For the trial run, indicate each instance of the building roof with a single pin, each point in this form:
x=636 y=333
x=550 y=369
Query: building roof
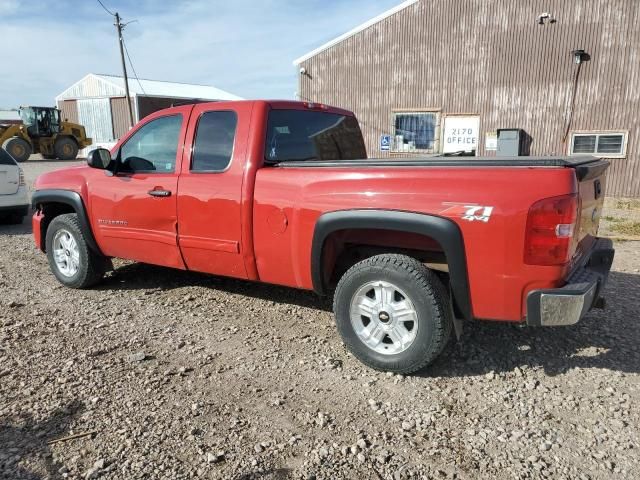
x=9 y=115
x=354 y=31
x=99 y=85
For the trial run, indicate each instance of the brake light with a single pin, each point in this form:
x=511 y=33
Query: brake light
x=316 y=106
x=551 y=227
x=21 y=180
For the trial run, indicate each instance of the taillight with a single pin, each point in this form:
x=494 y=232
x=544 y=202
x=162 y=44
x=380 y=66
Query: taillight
x=551 y=226
x=316 y=106
x=21 y=180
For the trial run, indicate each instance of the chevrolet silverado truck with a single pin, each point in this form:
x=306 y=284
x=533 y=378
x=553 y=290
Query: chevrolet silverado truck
x=282 y=192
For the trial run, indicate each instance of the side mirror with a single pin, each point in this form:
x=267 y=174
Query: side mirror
x=99 y=158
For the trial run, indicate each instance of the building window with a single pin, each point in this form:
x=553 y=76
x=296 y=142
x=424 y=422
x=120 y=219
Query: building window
x=606 y=144
x=416 y=131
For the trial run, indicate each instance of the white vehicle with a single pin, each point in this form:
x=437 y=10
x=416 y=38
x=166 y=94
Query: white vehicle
x=14 y=198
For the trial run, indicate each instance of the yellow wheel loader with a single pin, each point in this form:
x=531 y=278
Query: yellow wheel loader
x=41 y=131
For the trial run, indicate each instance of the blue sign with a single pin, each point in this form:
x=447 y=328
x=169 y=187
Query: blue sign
x=385 y=143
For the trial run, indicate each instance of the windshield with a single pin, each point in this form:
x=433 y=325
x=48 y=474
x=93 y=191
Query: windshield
x=28 y=116
x=299 y=135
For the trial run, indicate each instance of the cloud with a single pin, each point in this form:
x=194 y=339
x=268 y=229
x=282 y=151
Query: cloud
x=8 y=7
x=243 y=46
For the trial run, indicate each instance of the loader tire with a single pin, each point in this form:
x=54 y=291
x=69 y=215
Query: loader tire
x=18 y=148
x=66 y=148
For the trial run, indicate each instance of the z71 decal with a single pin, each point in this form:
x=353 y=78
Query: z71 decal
x=470 y=213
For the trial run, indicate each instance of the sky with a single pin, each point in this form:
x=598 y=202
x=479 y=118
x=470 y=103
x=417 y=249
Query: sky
x=245 y=47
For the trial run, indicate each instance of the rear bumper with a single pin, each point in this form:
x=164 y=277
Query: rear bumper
x=15 y=210
x=569 y=304
x=15 y=201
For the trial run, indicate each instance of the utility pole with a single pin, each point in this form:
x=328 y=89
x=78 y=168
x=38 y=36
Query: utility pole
x=119 y=27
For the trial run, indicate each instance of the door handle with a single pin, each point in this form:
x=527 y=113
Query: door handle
x=159 y=193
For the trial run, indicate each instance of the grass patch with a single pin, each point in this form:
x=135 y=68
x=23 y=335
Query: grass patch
x=609 y=218
x=627 y=228
x=632 y=204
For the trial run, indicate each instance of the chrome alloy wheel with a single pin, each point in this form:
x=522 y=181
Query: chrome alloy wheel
x=384 y=318
x=66 y=253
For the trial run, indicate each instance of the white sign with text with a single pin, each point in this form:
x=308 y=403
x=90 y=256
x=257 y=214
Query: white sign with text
x=461 y=134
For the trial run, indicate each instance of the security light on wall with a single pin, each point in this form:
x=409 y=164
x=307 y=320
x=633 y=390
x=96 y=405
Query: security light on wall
x=580 y=56
x=303 y=71
x=546 y=16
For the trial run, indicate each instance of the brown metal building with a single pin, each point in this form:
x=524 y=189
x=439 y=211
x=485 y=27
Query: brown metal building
x=435 y=76
x=98 y=102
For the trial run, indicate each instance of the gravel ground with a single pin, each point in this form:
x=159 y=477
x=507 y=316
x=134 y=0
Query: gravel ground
x=177 y=375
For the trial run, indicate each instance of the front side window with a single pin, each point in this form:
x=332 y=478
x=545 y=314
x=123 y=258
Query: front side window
x=605 y=144
x=416 y=131
x=213 y=147
x=153 y=148
x=299 y=135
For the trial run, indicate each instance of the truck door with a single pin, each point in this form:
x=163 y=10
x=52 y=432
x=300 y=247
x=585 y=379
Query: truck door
x=210 y=186
x=133 y=213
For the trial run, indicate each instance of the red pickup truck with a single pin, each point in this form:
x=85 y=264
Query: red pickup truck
x=282 y=192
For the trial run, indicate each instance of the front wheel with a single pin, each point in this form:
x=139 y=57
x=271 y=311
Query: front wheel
x=393 y=313
x=71 y=260
x=18 y=148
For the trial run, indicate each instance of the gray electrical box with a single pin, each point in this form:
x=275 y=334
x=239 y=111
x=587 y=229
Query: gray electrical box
x=510 y=141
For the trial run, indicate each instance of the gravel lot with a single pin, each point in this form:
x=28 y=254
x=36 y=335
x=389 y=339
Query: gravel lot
x=178 y=375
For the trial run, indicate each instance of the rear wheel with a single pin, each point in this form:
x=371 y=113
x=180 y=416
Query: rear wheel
x=18 y=148
x=71 y=260
x=393 y=313
x=66 y=148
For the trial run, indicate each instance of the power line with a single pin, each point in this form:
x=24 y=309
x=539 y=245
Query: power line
x=126 y=50
x=106 y=9
x=119 y=27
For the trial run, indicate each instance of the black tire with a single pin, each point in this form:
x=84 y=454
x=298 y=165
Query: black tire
x=66 y=148
x=91 y=266
x=18 y=148
x=424 y=290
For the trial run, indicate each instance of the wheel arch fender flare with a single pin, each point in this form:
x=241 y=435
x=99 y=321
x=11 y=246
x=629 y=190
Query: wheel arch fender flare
x=72 y=199
x=444 y=231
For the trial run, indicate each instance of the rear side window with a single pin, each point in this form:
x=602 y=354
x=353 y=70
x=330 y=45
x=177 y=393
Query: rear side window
x=5 y=158
x=299 y=135
x=215 y=136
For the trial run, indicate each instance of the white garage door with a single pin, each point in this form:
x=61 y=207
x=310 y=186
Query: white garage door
x=95 y=115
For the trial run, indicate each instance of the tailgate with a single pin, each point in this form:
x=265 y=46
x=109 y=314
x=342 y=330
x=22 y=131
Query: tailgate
x=591 y=190
x=9 y=179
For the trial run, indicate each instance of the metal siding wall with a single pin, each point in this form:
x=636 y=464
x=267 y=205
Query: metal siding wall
x=68 y=110
x=149 y=105
x=491 y=58
x=120 y=116
x=95 y=115
x=92 y=87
